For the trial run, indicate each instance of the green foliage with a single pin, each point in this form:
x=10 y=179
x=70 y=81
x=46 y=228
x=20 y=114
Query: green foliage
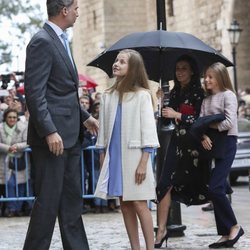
x=23 y=18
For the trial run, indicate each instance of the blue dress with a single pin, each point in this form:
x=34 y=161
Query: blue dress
x=115 y=162
x=115 y=157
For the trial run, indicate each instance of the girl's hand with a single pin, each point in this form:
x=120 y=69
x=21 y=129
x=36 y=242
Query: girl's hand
x=141 y=171
x=206 y=142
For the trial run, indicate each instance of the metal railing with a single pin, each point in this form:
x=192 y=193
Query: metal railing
x=29 y=194
x=27 y=180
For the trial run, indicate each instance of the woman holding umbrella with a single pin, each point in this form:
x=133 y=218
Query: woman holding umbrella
x=128 y=134
x=179 y=174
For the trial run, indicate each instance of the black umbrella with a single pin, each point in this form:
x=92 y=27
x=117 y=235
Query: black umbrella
x=160 y=50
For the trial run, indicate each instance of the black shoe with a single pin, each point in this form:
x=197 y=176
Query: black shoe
x=158 y=245
x=209 y=207
x=230 y=243
x=218 y=245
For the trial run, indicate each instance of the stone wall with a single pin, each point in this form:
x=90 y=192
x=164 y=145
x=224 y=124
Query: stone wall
x=241 y=11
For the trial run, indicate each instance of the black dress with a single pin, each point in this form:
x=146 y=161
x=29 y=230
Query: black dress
x=180 y=168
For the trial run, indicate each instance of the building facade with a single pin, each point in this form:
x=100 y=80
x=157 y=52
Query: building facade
x=102 y=22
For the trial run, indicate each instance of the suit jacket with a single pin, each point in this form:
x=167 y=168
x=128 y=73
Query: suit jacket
x=51 y=89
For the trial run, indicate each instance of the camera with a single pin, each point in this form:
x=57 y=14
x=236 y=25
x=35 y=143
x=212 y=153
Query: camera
x=5 y=78
x=17 y=77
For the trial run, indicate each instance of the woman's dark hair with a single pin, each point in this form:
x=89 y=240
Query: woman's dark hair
x=7 y=111
x=195 y=79
x=54 y=6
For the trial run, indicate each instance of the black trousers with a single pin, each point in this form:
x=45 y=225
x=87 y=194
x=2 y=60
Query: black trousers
x=58 y=194
x=218 y=187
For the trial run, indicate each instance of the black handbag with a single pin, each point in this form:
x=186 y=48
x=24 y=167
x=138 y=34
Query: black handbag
x=20 y=163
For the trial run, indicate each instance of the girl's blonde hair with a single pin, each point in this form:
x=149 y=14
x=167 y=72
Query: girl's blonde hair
x=136 y=76
x=222 y=77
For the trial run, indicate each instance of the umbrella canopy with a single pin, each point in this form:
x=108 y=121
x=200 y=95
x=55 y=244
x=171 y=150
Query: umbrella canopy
x=87 y=81
x=160 y=49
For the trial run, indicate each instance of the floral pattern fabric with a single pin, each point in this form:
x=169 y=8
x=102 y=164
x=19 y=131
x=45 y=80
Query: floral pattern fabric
x=181 y=168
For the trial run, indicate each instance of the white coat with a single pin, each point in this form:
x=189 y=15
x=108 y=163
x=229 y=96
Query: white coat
x=138 y=130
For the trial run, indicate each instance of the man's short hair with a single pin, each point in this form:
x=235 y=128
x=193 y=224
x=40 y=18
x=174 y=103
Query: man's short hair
x=54 y=6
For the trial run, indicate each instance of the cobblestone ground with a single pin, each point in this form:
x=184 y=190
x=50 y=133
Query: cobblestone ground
x=107 y=232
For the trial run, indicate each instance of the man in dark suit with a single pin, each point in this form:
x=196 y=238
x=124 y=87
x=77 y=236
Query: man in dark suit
x=55 y=132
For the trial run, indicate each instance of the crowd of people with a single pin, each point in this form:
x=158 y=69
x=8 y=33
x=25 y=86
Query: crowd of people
x=13 y=141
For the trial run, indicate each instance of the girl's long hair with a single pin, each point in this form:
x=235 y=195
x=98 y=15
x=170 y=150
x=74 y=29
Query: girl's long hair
x=136 y=77
x=222 y=77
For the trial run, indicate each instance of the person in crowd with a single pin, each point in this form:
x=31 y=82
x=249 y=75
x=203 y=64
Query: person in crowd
x=13 y=92
x=85 y=91
x=13 y=140
x=18 y=105
x=128 y=135
x=246 y=96
x=247 y=112
x=14 y=102
x=55 y=131
x=92 y=174
x=85 y=102
x=97 y=97
x=16 y=95
x=9 y=99
x=95 y=109
x=242 y=109
x=179 y=170
x=221 y=98
x=3 y=107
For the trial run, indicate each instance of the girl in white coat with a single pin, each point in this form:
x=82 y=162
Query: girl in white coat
x=127 y=135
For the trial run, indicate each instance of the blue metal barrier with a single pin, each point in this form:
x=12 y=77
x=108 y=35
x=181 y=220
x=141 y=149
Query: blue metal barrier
x=27 y=171
x=92 y=149
x=27 y=180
